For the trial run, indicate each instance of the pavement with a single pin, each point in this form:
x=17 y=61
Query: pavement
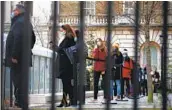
x=121 y=105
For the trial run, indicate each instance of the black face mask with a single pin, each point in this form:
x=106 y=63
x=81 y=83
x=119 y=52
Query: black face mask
x=115 y=51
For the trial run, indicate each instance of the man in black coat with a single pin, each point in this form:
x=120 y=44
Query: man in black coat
x=13 y=57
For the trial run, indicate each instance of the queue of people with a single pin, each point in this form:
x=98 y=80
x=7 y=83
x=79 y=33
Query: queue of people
x=121 y=70
x=121 y=82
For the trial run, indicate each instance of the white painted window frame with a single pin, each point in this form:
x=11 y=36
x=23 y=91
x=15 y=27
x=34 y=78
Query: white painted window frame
x=127 y=8
x=88 y=7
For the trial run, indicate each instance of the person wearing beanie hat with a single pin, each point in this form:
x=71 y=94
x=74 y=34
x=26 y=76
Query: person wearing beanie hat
x=126 y=72
x=125 y=52
x=14 y=44
x=20 y=9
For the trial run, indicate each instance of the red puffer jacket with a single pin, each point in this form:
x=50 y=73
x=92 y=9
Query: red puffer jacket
x=101 y=55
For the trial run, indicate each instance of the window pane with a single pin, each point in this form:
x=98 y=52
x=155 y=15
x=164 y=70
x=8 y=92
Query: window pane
x=92 y=5
x=170 y=5
x=89 y=7
x=128 y=4
x=154 y=56
x=126 y=11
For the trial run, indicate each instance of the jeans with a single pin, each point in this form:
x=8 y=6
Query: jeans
x=111 y=88
x=118 y=84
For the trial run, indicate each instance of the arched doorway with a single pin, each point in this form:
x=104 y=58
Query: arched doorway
x=155 y=55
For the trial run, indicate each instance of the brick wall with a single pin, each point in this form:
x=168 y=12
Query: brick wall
x=69 y=7
x=72 y=7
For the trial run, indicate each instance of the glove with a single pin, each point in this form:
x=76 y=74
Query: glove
x=114 y=68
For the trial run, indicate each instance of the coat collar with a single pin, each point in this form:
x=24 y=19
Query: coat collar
x=13 y=20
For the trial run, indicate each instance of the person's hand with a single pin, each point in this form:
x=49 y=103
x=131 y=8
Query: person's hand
x=103 y=72
x=14 y=60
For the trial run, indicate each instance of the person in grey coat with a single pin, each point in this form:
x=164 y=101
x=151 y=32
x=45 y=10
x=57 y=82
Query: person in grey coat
x=13 y=57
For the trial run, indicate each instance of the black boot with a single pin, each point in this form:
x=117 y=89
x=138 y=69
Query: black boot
x=63 y=103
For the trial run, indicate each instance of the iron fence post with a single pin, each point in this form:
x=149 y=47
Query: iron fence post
x=165 y=38
x=81 y=55
x=54 y=30
x=137 y=9
x=26 y=47
x=1 y=59
x=108 y=62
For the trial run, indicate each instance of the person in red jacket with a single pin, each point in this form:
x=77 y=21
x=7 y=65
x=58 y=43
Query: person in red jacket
x=99 y=53
x=126 y=72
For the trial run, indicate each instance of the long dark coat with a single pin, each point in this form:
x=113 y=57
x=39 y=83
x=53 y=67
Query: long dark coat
x=116 y=73
x=14 y=41
x=65 y=66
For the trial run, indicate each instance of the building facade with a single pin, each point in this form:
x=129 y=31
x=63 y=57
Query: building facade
x=123 y=25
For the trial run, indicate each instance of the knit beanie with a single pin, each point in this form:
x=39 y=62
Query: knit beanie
x=125 y=51
x=21 y=8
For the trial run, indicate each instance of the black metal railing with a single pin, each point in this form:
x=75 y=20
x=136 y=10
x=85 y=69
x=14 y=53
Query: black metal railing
x=26 y=54
x=136 y=55
x=54 y=11
x=2 y=45
x=165 y=51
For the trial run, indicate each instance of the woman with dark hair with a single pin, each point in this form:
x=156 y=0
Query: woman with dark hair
x=65 y=67
x=73 y=55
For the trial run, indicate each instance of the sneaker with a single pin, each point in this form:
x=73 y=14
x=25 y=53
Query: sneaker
x=103 y=101
x=94 y=101
x=118 y=98
x=113 y=101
